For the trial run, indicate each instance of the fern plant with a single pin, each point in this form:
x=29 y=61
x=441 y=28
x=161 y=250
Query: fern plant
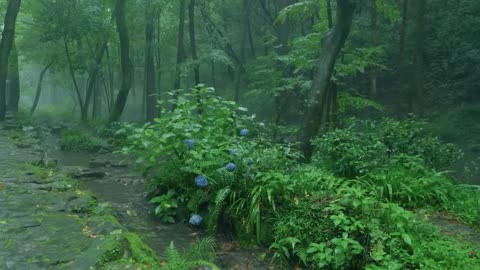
x=198 y=255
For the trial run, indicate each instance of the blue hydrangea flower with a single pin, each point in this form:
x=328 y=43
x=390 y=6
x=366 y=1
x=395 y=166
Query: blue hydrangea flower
x=231 y=167
x=189 y=143
x=244 y=132
x=201 y=181
x=233 y=152
x=195 y=220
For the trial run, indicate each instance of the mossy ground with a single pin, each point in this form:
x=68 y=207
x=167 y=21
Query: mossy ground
x=46 y=223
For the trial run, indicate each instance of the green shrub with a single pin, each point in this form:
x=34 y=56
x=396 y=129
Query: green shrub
x=340 y=226
x=240 y=172
x=115 y=133
x=344 y=211
x=366 y=145
x=78 y=140
x=458 y=125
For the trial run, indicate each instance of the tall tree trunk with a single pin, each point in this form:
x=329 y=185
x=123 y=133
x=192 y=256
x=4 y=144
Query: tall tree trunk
x=329 y=14
x=332 y=43
x=417 y=91
x=72 y=74
x=14 y=79
x=193 y=43
x=106 y=91
x=94 y=70
x=96 y=101
x=248 y=25
x=180 y=43
x=373 y=40
x=8 y=36
x=111 y=78
x=283 y=34
x=158 y=56
x=212 y=72
x=150 y=85
x=403 y=29
x=127 y=66
x=39 y=88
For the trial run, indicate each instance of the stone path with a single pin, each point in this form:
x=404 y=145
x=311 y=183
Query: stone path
x=45 y=223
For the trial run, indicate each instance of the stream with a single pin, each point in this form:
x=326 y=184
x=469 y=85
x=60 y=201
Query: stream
x=126 y=194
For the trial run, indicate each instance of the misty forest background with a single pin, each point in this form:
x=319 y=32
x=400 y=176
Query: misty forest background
x=368 y=92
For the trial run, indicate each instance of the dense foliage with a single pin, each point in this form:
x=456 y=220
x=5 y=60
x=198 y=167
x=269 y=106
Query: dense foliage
x=350 y=208
x=362 y=121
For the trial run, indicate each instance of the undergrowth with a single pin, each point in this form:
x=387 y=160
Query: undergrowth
x=351 y=208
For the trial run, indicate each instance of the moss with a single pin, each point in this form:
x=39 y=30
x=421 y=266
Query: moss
x=140 y=252
x=113 y=250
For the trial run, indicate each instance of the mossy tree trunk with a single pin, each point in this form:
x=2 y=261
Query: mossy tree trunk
x=6 y=45
x=151 y=83
x=331 y=46
x=126 y=63
x=14 y=79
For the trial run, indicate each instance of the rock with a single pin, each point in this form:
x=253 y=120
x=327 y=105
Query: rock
x=57 y=130
x=10 y=126
x=119 y=165
x=23 y=144
x=98 y=163
x=81 y=205
x=90 y=174
x=55 y=186
x=28 y=129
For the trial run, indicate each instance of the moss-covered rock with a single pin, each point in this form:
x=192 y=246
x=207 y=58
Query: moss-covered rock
x=45 y=223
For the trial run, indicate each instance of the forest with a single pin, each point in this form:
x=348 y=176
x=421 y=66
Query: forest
x=239 y=134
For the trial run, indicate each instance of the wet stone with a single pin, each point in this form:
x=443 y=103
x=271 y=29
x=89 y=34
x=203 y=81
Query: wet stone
x=90 y=174
x=42 y=225
x=56 y=130
x=119 y=165
x=80 y=205
x=98 y=163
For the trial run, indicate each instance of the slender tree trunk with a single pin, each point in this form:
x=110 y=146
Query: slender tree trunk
x=403 y=29
x=111 y=77
x=329 y=14
x=72 y=74
x=283 y=34
x=14 y=78
x=248 y=25
x=331 y=46
x=373 y=40
x=193 y=43
x=39 y=88
x=95 y=69
x=150 y=85
x=180 y=43
x=212 y=71
x=96 y=101
x=420 y=8
x=8 y=36
x=158 y=57
x=106 y=91
x=127 y=66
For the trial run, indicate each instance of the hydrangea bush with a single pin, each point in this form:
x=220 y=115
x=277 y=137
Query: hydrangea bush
x=214 y=156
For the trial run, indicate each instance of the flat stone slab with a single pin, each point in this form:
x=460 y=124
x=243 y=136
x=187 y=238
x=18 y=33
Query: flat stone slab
x=45 y=223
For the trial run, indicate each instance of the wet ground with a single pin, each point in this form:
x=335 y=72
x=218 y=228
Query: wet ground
x=45 y=223
x=115 y=184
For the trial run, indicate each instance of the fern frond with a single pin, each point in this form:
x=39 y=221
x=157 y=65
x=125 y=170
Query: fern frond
x=220 y=199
